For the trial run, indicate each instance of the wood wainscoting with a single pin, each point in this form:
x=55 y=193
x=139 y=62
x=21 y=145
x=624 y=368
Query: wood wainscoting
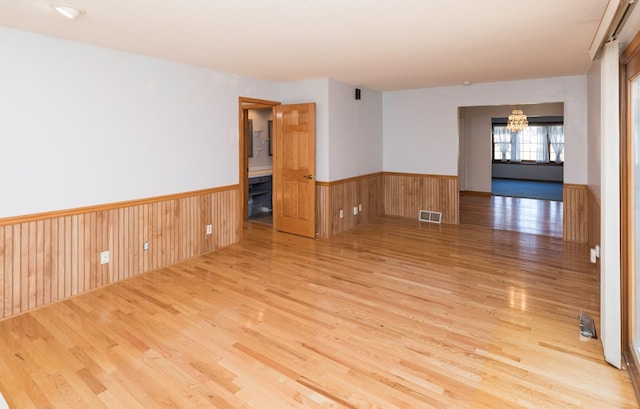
x=576 y=215
x=406 y=194
x=345 y=194
x=51 y=256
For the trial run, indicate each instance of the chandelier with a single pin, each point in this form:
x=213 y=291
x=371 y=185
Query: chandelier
x=517 y=121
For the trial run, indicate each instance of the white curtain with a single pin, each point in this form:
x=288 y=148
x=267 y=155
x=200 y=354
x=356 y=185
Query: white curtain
x=539 y=138
x=516 y=155
x=556 y=140
x=502 y=138
x=530 y=144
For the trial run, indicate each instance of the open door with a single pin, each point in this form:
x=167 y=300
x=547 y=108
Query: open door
x=294 y=166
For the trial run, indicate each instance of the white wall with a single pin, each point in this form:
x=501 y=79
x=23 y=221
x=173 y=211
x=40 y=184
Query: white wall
x=476 y=150
x=420 y=127
x=594 y=127
x=84 y=125
x=348 y=132
x=355 y=131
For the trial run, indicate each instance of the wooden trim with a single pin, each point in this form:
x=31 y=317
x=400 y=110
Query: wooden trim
x=633 y=368
x=110 y=206
x=244 y=104
x=574 y=186
x=420 y=174
x=255 y=103
x=575 y=206
x=475 y=193
x=631 y=51
x=348 y=180
x=629 y=70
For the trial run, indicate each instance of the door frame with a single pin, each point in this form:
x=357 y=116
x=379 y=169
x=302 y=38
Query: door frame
x=244 y=105
x=629 y=65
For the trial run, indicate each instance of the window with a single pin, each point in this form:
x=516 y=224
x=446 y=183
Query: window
x=540 y=143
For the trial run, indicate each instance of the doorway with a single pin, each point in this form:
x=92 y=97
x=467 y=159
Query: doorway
x=292 y=174
x=255 y=174
x=519 y=189
x=260 y=165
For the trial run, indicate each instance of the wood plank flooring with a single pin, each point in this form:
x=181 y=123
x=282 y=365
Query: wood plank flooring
x=535 y=216
x=394 y=314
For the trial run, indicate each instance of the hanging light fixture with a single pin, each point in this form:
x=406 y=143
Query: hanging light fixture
x=517 y=121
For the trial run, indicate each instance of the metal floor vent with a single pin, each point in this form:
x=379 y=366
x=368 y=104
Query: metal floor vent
x=587 y=326
x=429 y=216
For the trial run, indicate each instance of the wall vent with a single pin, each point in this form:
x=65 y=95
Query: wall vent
x=429 y=216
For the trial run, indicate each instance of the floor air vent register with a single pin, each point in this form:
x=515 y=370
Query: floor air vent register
x=429 y=216
x=587 y=326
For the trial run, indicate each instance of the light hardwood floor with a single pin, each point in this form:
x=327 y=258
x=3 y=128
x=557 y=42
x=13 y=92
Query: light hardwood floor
x=394 y=314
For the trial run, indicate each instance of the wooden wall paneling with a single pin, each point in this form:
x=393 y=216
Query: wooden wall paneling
x=120 y=256
x=406 y=194
x=323 y=209
x=331 y=197
x=574 y=221
x=90 y=252
x=47 y=262
x=338 y=225
x=128 y=237
x=15 y=307
x=37 y=264
x=6 y=258
x=84 y=225
x=3 y=268
x=46 y=259
x=24 y=266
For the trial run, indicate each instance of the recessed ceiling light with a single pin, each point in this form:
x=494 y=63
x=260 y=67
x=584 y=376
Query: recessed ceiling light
x=67 y=11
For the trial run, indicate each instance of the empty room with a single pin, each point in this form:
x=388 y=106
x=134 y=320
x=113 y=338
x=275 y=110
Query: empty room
x=290 y=204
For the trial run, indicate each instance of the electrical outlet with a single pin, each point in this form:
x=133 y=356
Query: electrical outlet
x=360 y=207
x=341 y=213
x=355 y=210
x=592 y=255
x=104 y=257
x=145 y=246
x=209 y=229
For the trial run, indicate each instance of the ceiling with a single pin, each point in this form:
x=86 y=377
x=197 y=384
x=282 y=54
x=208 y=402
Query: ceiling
x=377 y=44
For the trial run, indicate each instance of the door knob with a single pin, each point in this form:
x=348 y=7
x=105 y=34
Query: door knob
x=308 y=177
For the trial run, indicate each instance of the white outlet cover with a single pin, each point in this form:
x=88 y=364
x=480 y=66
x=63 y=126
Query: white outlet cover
x=341 y=213
x=104 y=257
x=355 y=210
x=209 y=229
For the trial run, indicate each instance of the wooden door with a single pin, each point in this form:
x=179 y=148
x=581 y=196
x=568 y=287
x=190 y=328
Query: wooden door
x=294 y=166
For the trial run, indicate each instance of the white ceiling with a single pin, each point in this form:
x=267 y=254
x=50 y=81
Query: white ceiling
x=377 y=44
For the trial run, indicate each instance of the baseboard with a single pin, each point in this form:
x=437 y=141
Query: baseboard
x=474 y=193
